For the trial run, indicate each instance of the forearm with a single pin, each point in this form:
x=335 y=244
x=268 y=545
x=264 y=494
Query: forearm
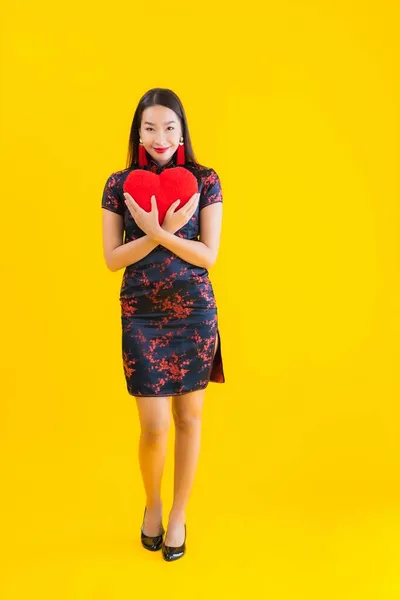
x=131 y=252
x=192 y=251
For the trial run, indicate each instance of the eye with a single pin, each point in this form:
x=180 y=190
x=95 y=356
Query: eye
x=170 y=127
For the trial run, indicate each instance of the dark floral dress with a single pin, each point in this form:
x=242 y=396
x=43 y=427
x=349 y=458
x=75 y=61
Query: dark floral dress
x=168 y=310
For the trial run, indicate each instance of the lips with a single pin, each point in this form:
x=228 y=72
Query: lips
x=161 y=150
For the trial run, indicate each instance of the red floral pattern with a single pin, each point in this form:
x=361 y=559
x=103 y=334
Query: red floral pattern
x=169 y=314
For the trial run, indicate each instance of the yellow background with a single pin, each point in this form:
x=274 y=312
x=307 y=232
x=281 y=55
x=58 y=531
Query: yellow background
x=296 y=106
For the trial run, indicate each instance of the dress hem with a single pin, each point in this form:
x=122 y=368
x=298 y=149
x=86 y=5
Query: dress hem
x=168 y=395
x=215 y=374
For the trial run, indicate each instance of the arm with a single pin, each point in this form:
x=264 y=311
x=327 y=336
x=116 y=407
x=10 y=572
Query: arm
x=201 y=253
x=132 y=252
x=117 y=254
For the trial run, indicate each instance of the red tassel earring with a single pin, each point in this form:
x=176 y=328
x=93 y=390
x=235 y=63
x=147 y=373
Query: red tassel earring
x=180 y=160
x=142 y=156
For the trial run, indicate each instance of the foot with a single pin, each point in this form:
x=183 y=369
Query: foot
x=152 y=524
x=176 y=530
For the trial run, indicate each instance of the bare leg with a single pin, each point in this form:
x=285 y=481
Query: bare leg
x=187 y=409
x=187 y=413
x=155 y=421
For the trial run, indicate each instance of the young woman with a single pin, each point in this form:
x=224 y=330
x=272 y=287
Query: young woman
x=171 y=345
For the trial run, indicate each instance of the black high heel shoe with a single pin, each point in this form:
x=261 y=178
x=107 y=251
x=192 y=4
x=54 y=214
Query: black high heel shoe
x=149 y=542
x=174 y=552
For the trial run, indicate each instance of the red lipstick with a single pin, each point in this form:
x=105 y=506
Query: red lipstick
x=161 y=150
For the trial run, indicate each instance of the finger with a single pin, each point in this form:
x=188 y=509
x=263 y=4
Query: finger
x=131 y=209
x=192 y=202
x=154 y=204
x=173 y=206
x=195 y=203
x=188 y=204
x=130 y=201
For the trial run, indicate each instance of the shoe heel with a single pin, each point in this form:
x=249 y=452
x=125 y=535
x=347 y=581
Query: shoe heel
x=152 y=543
x=171 y=553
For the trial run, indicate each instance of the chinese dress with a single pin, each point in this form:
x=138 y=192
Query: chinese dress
x=169 y=314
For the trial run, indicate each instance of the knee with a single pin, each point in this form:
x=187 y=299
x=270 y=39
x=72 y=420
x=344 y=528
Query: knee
x=187 y=420
x=155 y=431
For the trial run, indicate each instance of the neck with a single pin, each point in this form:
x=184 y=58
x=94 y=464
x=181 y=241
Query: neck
x=161 y=163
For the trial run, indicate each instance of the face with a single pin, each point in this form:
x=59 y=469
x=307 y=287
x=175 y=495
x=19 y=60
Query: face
x=160 y=128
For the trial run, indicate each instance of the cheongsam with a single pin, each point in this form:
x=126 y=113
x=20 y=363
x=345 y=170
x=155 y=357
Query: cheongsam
x=169 y=314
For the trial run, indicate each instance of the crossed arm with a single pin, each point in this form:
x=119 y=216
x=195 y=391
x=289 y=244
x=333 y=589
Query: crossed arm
x=202 y=253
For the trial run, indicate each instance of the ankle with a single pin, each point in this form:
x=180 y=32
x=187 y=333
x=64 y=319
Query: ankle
x=154 y=506
x=177 y=514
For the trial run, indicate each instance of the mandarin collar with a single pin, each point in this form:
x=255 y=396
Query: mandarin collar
x=155 y=166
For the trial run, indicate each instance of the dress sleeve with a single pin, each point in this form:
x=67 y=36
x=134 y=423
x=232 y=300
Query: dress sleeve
x=112 y=196
x=211 y=192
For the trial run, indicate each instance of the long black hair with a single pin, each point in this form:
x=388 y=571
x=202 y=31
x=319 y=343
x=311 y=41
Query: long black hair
x=165 y=97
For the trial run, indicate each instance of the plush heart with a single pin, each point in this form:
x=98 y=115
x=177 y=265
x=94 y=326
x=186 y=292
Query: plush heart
x=171 y=184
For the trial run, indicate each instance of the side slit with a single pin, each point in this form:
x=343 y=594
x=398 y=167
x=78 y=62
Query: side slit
x=217 y=369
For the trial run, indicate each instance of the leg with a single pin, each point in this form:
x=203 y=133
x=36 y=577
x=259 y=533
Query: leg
x=187 y=411
x=155 y=421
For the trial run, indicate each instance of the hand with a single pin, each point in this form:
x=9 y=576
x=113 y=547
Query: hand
x=173 y=221
x=147 y=221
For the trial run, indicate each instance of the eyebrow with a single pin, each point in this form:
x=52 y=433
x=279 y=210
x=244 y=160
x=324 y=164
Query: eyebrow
x=167 y=123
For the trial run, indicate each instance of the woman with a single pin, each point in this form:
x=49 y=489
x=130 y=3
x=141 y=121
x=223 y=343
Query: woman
x=171 y=345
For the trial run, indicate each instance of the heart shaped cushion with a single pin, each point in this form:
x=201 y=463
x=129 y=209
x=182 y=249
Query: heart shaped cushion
x=168 y=186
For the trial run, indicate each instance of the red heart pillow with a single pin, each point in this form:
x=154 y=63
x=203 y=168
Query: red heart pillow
x=171 y=184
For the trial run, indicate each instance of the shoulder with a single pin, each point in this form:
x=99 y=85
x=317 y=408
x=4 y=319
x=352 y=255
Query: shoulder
x=206 y=175
x=209 y=184
x=117 y=178
x=199 y=168
x=112 y=197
